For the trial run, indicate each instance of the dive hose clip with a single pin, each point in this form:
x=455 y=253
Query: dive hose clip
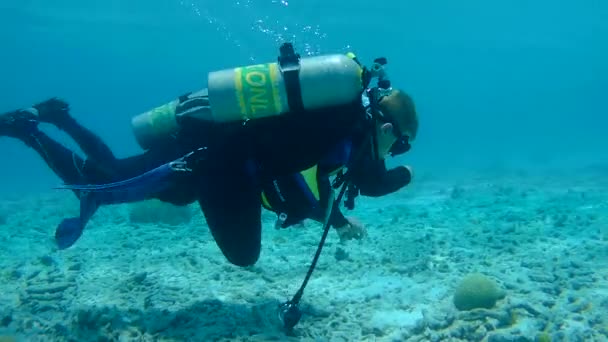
x=188 y=162
x=280 y=221
x=180 y=166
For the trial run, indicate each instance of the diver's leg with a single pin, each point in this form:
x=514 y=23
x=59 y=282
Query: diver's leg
x=71 y=168
x=182 y=190
x=66 y=164
x=230 y=201
x=56 y=112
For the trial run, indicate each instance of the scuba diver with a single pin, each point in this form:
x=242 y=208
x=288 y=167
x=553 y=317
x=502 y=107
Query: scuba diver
x=225 y=163
x=293 y=198
x=255 y=130
x=242 y=158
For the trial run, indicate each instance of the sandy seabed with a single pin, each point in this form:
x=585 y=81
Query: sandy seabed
x=542 y=239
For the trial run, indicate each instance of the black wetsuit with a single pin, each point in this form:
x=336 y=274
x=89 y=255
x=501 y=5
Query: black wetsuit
x=238 y=161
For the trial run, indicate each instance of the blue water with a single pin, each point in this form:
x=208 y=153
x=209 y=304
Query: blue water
x=496 y=83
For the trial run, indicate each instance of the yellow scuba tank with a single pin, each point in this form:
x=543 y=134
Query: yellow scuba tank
x=245 y=93
x=259 y=91
x=158 y=124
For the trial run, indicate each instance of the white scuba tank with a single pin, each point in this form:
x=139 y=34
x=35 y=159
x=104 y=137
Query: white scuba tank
x=256 y=91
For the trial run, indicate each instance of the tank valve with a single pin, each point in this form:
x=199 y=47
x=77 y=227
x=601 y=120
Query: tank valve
x=378 y=70
x=280 y=220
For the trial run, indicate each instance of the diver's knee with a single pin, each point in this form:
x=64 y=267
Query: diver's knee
x=244 y=257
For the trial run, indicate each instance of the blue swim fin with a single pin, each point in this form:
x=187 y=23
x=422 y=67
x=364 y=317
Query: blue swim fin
x=68 y=232
x=93 y=196
x=138 y=188
x=70 y=229
x=131 y=190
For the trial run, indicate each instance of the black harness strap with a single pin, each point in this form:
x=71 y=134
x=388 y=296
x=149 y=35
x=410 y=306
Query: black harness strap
x=289 y=64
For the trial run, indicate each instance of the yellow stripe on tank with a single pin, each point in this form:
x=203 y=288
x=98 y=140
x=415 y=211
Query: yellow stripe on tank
x=256 y=91
x=274 y=82
x=240 y=95
x=360 y=69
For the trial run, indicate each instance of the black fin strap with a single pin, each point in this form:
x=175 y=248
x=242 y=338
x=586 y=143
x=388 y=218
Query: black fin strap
x=184 y=97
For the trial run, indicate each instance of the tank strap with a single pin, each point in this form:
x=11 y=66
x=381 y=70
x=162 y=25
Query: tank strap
x=184 y=97
x=289 y=64
x=195 y=105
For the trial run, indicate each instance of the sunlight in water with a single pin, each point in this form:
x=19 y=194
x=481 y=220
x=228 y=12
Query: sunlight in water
x=275 y=20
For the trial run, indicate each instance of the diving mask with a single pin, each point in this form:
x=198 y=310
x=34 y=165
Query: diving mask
x=372 y=98
x=402 y=145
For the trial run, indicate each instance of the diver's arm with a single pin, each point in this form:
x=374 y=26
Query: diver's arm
x=337 y=219
x=347 y=228
x=374 y=180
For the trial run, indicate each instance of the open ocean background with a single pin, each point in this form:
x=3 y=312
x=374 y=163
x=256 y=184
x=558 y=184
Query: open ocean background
x=512 y=84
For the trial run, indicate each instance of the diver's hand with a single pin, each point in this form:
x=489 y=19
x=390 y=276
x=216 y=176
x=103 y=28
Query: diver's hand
x=352 y=230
